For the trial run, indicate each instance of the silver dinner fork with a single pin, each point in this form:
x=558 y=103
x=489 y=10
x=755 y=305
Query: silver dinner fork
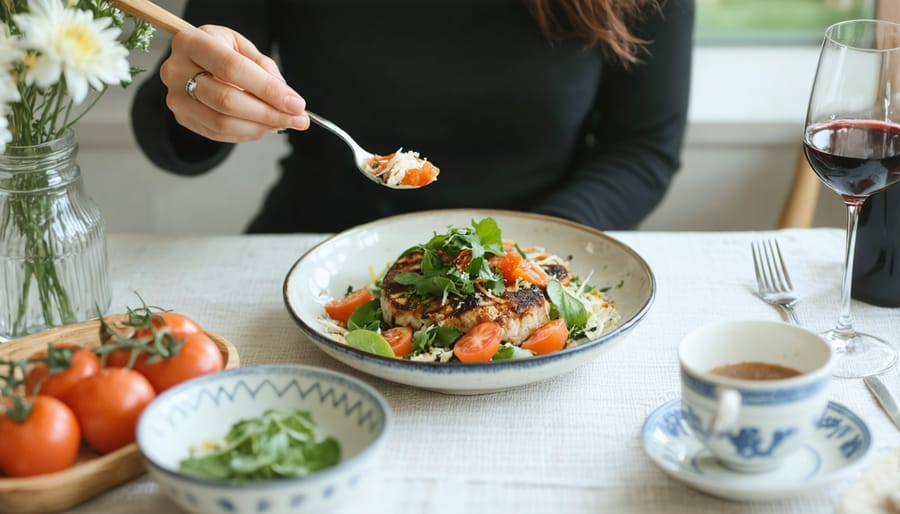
x=772 y=278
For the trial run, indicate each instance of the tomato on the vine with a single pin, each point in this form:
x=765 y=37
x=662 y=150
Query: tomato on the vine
x=69 y=364
x=178 y=324
x=196 y=356
x=47 y=440
x=108 y=405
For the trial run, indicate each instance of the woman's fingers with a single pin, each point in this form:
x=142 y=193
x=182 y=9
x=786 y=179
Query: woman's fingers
x=242 y=96
x=223 y=56
x=212 y=124
x=233 y=102
x=247 y=48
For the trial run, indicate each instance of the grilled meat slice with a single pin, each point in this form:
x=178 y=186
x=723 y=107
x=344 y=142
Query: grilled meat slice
x=519 y=312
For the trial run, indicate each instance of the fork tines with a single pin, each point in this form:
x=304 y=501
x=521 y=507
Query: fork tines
x=769 y=265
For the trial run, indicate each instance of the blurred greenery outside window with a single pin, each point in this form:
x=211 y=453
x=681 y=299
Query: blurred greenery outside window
x=773 y=22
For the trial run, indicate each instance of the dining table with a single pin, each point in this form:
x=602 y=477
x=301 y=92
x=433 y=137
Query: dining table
x=568 y=444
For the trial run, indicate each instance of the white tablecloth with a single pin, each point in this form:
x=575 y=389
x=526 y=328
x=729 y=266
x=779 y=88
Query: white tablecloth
x=567 y=445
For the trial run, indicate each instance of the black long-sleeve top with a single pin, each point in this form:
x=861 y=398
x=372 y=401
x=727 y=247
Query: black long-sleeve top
x=512 y=120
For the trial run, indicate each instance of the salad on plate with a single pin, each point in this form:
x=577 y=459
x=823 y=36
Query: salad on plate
x=468 y=295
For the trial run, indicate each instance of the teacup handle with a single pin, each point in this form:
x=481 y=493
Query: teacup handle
x=728 y=407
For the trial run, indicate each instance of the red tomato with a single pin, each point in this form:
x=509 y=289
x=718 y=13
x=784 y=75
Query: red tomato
x=400 y=339
x=531 y=272
x=549 y=338
x=178 y=324
x=120 y=358
x=507 y=264
x=197 y=356
x=341 y=308
x=514 y=267
x=108 y=405
x=83 y=364
x=480 y=343
x=422 y=176
x=47 y=441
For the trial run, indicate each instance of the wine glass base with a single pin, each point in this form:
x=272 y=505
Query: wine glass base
x=860 y=355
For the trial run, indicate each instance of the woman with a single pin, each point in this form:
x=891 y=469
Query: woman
x=574 y=108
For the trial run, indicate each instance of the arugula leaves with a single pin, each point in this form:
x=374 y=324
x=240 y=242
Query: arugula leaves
x=439 y=274
x=275 y=445
x=566 y=306
x=367 y=316
x=434 y=336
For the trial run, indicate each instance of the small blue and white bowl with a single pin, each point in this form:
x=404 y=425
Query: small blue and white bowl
x=205 y=408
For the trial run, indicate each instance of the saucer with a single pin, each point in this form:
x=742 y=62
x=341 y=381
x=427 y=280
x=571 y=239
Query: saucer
x=839 y=446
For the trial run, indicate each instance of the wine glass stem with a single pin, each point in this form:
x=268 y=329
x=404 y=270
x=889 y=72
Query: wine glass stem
x=845 y=321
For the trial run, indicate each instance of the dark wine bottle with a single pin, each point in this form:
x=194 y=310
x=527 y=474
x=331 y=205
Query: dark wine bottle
x=876 y=269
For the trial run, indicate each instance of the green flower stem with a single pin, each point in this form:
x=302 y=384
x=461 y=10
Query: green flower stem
x=41 y=115
x=33 y=215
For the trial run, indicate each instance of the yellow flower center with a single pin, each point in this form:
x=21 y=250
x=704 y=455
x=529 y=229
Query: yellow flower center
x=83 y=43
x=29 y=59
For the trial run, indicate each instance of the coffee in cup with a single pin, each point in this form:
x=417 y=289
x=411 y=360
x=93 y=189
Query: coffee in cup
x=753 y=390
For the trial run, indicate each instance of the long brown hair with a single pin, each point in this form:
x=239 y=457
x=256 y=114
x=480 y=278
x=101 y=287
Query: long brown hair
x=607 y=22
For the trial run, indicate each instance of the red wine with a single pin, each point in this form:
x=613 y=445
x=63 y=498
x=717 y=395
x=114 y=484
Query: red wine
x=876 y=268
x=855 y=158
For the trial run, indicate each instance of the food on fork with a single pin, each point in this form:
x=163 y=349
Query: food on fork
x=467 y=295
x=403 y=169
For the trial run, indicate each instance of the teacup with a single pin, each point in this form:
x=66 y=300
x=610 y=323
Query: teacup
x=752 y=425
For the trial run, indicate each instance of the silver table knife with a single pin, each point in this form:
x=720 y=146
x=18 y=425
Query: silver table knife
x=885 y=397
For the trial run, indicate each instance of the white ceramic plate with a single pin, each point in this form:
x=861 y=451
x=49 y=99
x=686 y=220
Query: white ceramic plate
x=346 y=259
x=839 y=446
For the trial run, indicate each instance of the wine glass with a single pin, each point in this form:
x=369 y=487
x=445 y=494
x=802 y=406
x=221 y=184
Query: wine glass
x=852 y=142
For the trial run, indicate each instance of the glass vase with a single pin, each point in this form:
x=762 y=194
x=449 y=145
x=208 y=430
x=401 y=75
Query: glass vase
x=53 y=262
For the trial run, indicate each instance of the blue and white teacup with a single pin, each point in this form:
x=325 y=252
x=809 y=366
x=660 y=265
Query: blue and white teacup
x=751 y=425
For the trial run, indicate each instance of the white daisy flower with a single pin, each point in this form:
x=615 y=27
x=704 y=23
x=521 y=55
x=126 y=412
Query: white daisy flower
x=9 y=93
x=71 y=43
x=5 y=134
x=10 y=47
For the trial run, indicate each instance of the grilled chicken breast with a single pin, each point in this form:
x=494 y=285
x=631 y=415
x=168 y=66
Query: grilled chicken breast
x=519 y=312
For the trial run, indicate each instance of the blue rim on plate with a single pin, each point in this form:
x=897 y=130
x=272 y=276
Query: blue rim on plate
x=841 y=444
x=426 y=223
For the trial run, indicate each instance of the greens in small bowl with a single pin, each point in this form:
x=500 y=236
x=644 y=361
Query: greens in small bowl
x=269 y=438
x=355 y=259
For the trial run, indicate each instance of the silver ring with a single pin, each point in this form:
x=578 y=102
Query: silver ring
x=191 y=85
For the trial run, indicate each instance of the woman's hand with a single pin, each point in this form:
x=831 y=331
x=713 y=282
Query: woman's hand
x=242 y=97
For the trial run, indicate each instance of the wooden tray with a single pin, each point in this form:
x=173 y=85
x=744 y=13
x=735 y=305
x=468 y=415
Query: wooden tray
x=92 y=474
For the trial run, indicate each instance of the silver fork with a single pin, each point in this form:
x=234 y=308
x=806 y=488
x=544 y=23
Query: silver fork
x=772 y=277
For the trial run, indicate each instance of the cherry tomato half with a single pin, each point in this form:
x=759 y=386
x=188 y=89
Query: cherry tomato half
x=341 y=308
x=480 y=343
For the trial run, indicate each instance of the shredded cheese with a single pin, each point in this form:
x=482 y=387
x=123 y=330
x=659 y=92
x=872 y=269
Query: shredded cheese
x=399 y=164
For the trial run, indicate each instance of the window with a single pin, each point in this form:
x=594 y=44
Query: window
x=773 y=22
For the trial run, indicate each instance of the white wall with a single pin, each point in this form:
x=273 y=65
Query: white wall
x=746 y=115
x=747 y=109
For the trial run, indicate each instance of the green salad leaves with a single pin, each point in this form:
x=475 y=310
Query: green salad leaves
x=439 y=274
x=565 y=305
x=275 y=445
x=457 y=263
